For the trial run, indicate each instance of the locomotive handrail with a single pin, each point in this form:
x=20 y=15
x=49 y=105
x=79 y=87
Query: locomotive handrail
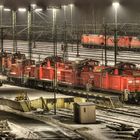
x=128 y=64
x=86 y=63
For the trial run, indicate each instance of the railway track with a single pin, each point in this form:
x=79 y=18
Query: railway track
x=104 y=116
x=46 y=49
x=115 y=128
x=37 y=128
x=125 y=112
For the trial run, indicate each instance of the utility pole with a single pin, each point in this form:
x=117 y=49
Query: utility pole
x=55 y=67
x=71 y=11
x=65 y=43
x=2 y=50
x=65 y=54
x=33 y=26
x=2 y=37
x=14 y=31
x=105 y=43
x=54 y=37
x=116 y=6
x=77 y=45
x=115 y=46
x=1 y=14
x=30 y=32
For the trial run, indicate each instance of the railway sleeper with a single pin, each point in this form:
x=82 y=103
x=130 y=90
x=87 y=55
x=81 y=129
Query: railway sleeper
x=120 y=127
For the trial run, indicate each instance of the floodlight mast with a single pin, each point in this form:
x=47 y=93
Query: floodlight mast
x=116 y=6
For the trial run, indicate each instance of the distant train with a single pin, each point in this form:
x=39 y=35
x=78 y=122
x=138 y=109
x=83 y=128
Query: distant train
x=98 y=41
x=123 y=79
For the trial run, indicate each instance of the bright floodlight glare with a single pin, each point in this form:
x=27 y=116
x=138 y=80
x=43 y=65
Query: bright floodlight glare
x=38 y=10
x=116 y=4
x=1 y=6
x=33 y=5
x=54 y=10
x=53 y=7
x=7 y=9
x=64 y=6
x=71 y=5
x=22 y=9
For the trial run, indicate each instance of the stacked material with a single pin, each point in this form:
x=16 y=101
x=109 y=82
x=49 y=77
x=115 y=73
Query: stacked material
x=5 y=130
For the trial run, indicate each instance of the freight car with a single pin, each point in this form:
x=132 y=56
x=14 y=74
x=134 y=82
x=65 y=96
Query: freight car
x=98 y=41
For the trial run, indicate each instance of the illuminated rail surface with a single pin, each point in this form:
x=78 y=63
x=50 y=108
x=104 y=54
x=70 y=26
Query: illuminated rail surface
x=44 y=49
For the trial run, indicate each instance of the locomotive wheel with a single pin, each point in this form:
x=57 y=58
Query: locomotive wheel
x=134 y=99
x=1 y=83
x=137 y=99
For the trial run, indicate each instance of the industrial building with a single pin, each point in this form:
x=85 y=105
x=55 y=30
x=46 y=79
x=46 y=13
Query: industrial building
x=69 y=69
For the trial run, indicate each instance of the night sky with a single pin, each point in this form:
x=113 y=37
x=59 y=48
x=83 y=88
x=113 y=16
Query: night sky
x=85 y=3
x=84 y=11
x=87 y=10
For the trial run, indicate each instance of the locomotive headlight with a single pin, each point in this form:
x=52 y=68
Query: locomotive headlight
x=137 y=81
x=130 y=81
x=13 y=73
x=58 y=72
x=77 y=62
x=91 y=77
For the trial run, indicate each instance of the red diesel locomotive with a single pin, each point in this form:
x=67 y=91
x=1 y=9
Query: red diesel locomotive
x=98 y=41
x=124 y=78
